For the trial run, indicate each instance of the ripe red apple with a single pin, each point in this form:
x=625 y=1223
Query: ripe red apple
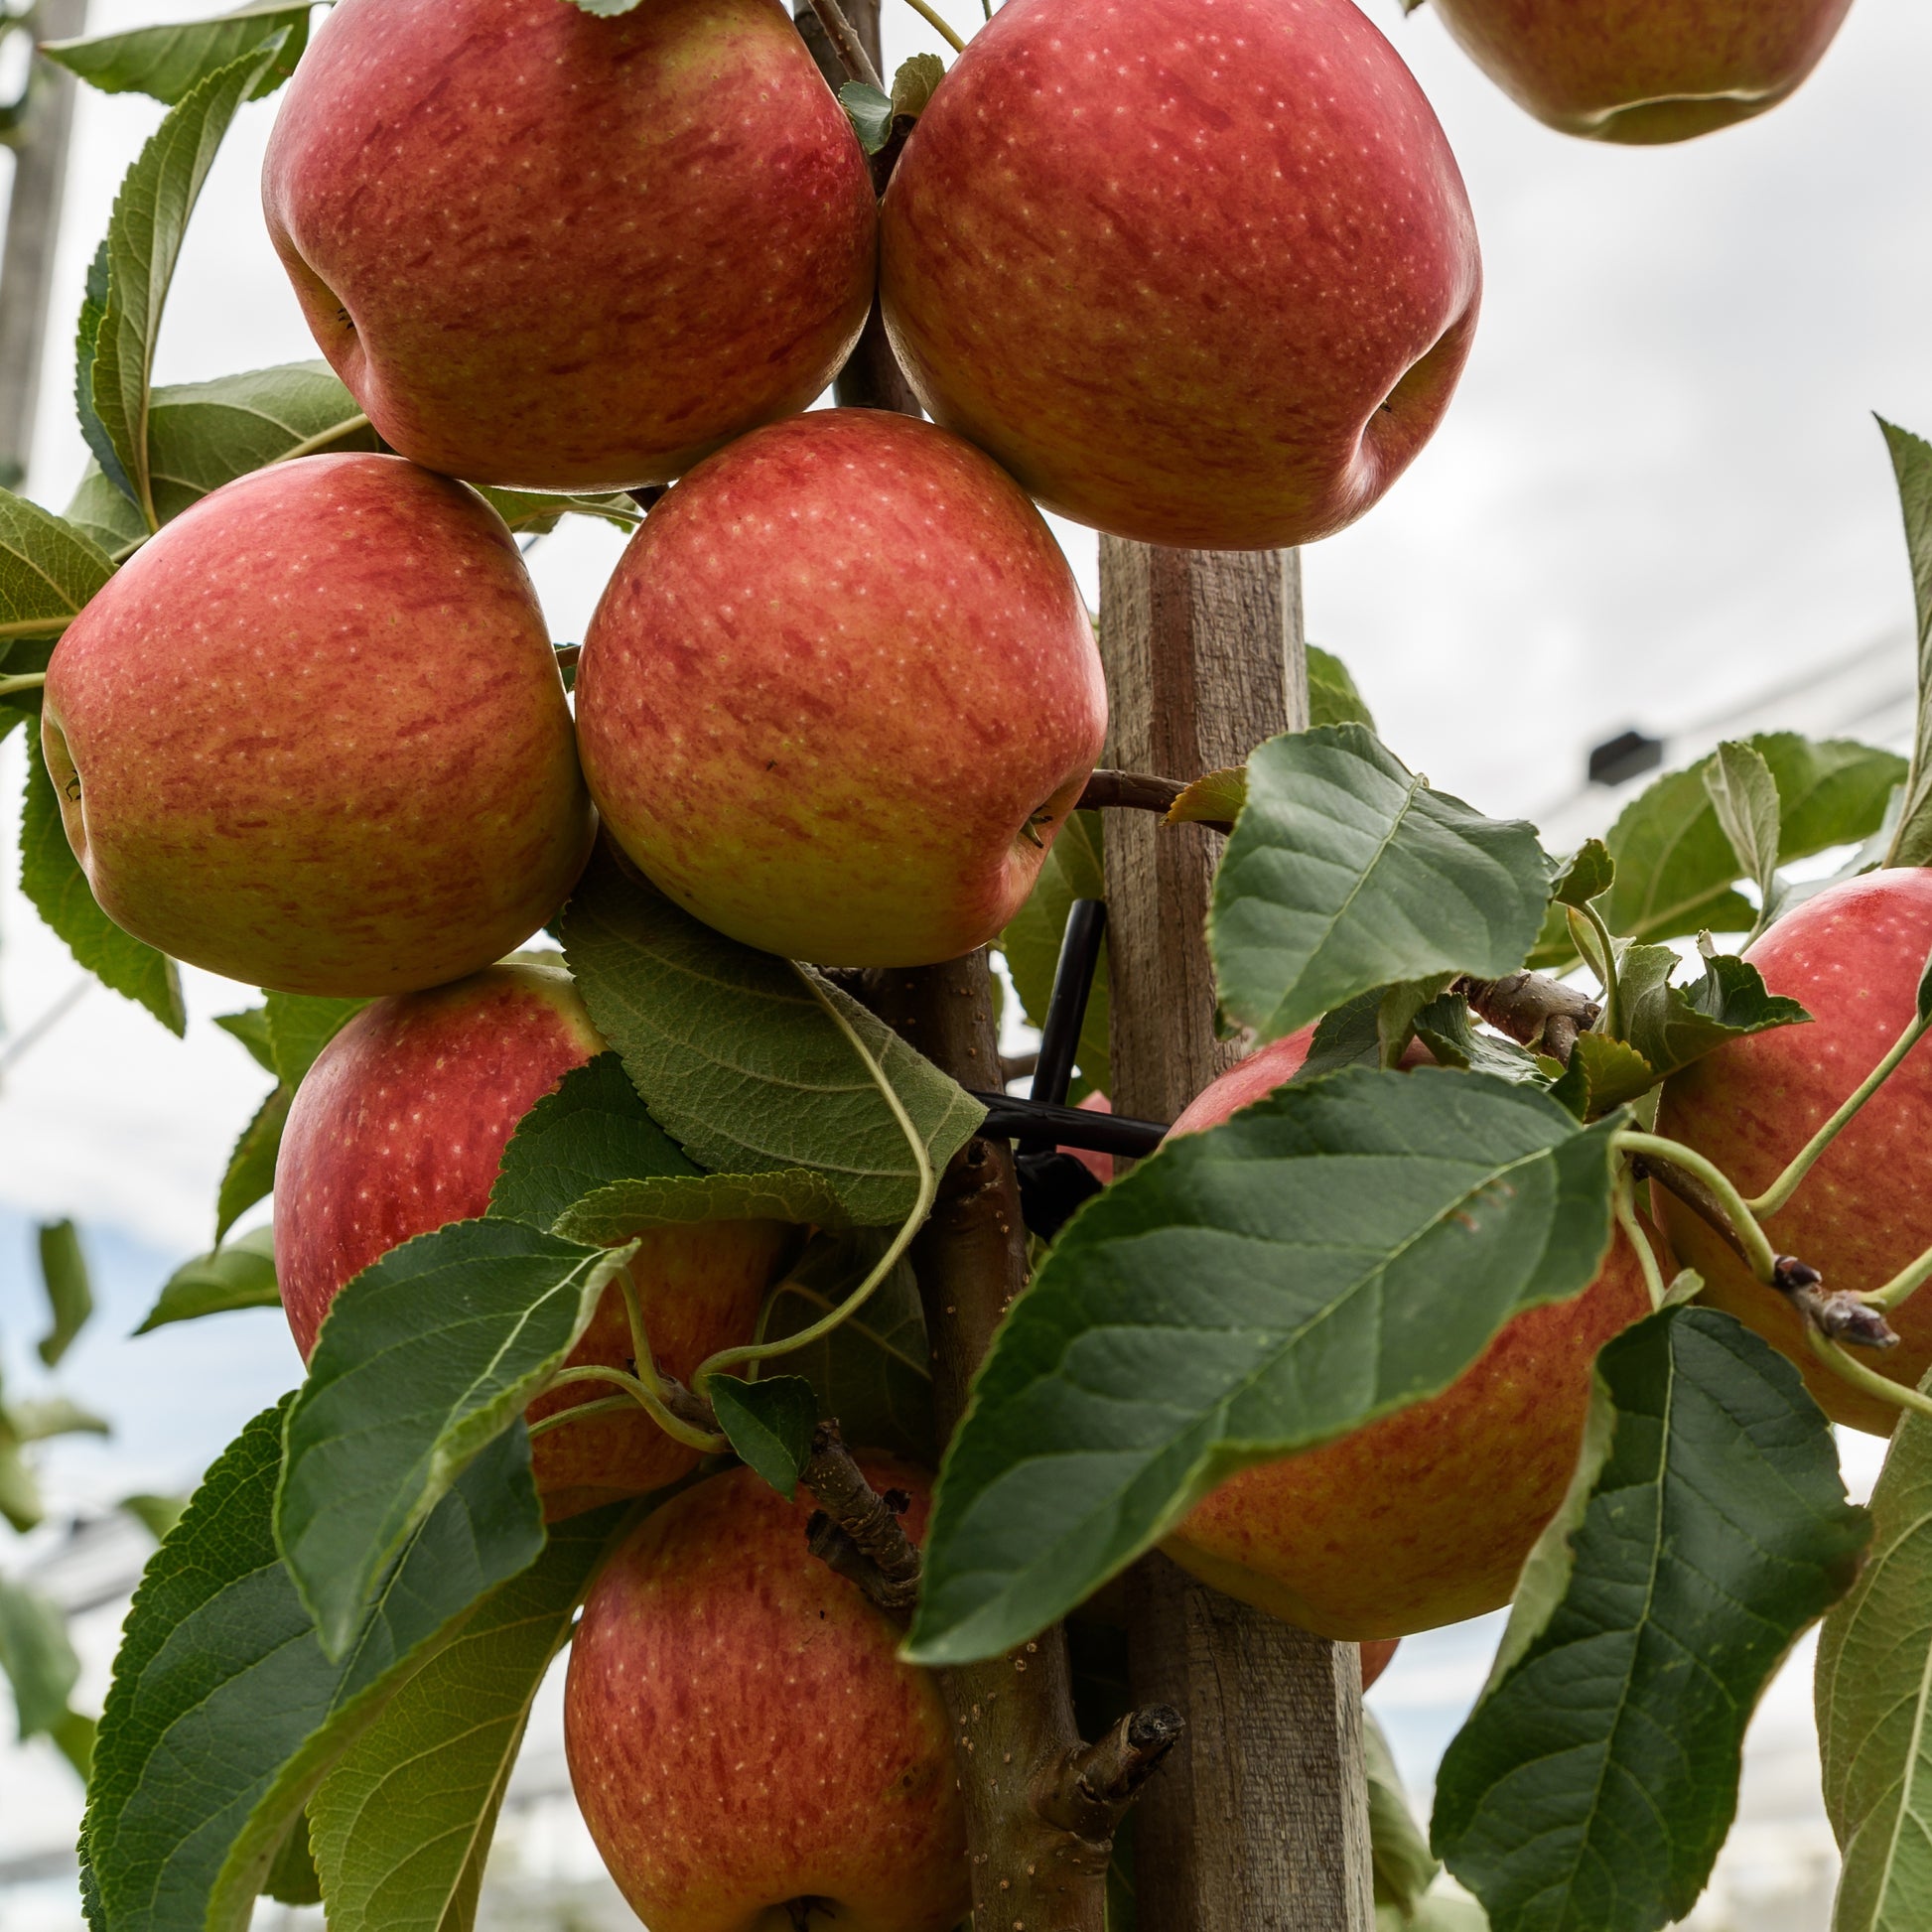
x=398 y=1129
x=312 y=735
x=1377 y=1655
x=564 y=252
x=841 y=692
x=1644 y=70
x=1851 y=957
x=743 y=1740
x=1425 y=1517
x=1198 y=274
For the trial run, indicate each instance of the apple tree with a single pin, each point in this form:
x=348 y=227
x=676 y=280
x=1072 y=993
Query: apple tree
x=954 y=1505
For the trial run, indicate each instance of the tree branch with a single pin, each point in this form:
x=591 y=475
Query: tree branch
x=1134 y=792
x=845 y=43
x=1534 y=1010
x=856 y=1529
x=1088 y=1792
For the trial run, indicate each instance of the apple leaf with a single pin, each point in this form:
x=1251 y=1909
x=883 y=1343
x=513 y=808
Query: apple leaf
x=624 y=1208
x=1672 y=1026
x=168 y=62
x=531 y=512
x=1332 y=696
x=251 y=1174
x=870 y=112
x=202 y=434
x=1911 y=461
x=1588 y=873
x=224 y=1713
x=769 y=1425
x=1329 y=1255
x=156 y=1514
x=1875 y=1702
x=291 y=1878
x=240 y=1275
x=734 y=1055
x=1214 y=798
x=49 y=569
x=914 y=83
x=36 y=1659
x=1404 y=1867
x=57 y=1415
x=1744 y=794
x=425 y=1357
x=589 y=1130
x=1346 y=872
x=300 y=1025
x=1449 y=1029
x=1072 y=868
x=1602 y=1076
x=52 y=879
x=401 y=1825
x=250 y=1026
x=144 y=241
x=1705 y=1528
x=70 y=1295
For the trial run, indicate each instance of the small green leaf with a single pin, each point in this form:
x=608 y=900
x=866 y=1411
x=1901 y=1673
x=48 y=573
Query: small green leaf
x=613 y=1213
x=1072 y=868
x=38 y=1422
x=1332 y=696
x=250 y=1026
x=156 y=1514
x=291 y=1878
x=1911 y=461
x=1745 y=795
x=1350 y=1035
x=224 y=1714
x=1346 y=872
x=1404 y=1867
x=532 y=512
x=426 y=1357
x=916 y=82
x=401 y=1826
x=37 y=1657
x=49 y=569
x=1602 y=1076
x=20 y=1494
x=1449 y=1029
x=94 y=312
x=1588 y=872
x=300 y=1025
x=1875 y=1702
x=1672 y=1026
x=1329 y=1255
x=587 y=1132
x=250 y=1173
x=167 y=63
x=240 y=1275
x=1214 y=798
x=769 y=1425
x=1706 y=1526
x=870 y=112
x=53 y=881
x=70 y=1296
x=735 y=1055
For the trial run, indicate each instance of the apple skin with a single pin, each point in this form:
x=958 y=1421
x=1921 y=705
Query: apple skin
x=1377 y=1655
x=831 y=681
x=1851 y=957
x=1198 y=274
x=398 y=1129
x=561 y=252
x=1425 y=1517
x=740 y=1734
x=1642 y=72
x=312 y=737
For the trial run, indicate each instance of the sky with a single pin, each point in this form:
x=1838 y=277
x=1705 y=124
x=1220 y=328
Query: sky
x=1658 y=491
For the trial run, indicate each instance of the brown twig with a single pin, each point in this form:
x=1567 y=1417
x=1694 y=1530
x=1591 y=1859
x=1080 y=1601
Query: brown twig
x=1016 y=1066
x=856 y=1529
x=1134 y=792
x=1088 y=1792
x=845 y=43
x=1534 y=1010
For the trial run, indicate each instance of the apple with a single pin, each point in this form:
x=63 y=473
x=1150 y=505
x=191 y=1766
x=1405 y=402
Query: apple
x=1851 y=957
x=1197 y=275
x=1377 y=1655
x=746 y=1749
x=564 y=252
x=841 y=693
x=1644 y=70
x=312 y=735
x=398 y=1129
x=1425 y=1517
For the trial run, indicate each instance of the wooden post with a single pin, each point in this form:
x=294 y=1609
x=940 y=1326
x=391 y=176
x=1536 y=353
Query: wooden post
x=1259 y=1822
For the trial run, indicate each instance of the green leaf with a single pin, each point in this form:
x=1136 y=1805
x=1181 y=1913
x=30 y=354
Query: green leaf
x=1705 y=1528
x=70 y=1296
x=38 y=1422
x=1911 y=462
x=1745 y=795
x=1072 y=868
x=590 y=1129
x=144 y=240
x=53 y=881
x=1215 y=798
x=1672 y=1026
x=916 y=82
x=202 y=434
x=1588 y=872
x=734 y=1055
x=37 y=1657
x=224 y=1714
x=1875 y=1702
x=1404 y=1867
x=250 y=1173
x=401 y=1826
x=20 y=1494
x=300 y=1025
x=94 y=312
x=251 y=1029
x=1332 y=696
x=1329 y=1255
x=1350 y=1035
x=49 y=570
x=292 y=1880
x=1346 y=872
x=870 y=112
x=1449 y=1029
x=533 y=513
x=156 y=1514
x=426 y=1356
x=168 y=62
x=769 y=1425
x=624 y=1208
x=240 y=1275
x=1602 y=1076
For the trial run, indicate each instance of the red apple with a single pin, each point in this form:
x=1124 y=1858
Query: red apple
x=398 y=1129
x=312 y=736
x=564 y=252
x=1644 y=70
x=841 y=693
x=1425 y=1517
x=743 y=1742
x=1377 y=1655
x=1851 y=957
x=1198 y=272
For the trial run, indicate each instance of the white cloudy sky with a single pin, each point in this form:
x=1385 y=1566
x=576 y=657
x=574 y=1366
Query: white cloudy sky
x=1659 y=487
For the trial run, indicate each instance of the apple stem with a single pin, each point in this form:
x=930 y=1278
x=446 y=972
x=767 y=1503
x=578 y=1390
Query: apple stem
x=609 y=1404
x=938 y=25
x=1881 y=1388
x=846 y=44
x=1786 y=1185
x=1624 y=1197
x=1134 y=792
x=1669 y=1161
x=1903 y=1286
x=25 y=682
x=857 y=1531
x=1534 y=1010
